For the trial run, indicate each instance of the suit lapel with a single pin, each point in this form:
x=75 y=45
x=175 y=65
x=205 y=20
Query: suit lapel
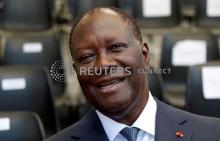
x=169 y=121
x=96 y=133
x=90 y=128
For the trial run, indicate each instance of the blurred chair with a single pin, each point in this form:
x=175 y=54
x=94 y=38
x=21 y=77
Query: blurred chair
x=207 y=13
x=155 y=84
x=39 y=49
x=27 y=14
x=188 y=8
x=27 y=88
x=72 y=7
x=83 y=6
x=21 y=126
x=159 y=13
x=127 y=6
x=179 y=51
x=31 y=50
x=202 y=78
x=1 y=7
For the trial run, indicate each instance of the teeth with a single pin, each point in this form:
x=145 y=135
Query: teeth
x=109 y=83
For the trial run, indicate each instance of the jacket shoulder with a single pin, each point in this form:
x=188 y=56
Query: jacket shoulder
x=74 y=131
x=64 y=135
x=202 y=126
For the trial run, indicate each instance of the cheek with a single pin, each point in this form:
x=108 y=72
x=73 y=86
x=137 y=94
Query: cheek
x=132 y=58
x=88 y=90
x=83 y=75
x=84 y=81
x=135 y=61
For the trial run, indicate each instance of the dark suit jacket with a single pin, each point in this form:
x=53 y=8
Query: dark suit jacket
x=169 y=120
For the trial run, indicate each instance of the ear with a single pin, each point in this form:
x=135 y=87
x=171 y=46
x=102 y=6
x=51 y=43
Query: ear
x=74 y=66
x=145 y=53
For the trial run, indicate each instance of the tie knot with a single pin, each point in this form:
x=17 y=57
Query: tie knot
x=130 y=133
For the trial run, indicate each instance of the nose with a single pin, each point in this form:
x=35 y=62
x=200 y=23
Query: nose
x=104 y=61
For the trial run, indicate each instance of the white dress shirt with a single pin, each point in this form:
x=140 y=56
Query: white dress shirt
x=145 y=122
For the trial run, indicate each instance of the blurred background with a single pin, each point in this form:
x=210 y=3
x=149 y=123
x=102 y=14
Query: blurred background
x=39 y=89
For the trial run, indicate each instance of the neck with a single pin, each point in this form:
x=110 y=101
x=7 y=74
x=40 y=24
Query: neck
x=135 y=110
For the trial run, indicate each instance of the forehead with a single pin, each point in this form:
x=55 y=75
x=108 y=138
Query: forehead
x=101 y=18
x=101 y=24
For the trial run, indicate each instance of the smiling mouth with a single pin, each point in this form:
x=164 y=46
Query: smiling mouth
x=110 y=83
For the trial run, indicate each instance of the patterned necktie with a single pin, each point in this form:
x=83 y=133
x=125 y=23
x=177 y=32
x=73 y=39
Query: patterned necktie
x=130 y=133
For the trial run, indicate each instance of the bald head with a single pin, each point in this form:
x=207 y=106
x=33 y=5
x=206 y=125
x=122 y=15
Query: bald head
x=128 y=20
x=109 y=38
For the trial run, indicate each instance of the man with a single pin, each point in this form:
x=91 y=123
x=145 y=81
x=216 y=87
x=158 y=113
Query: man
x=106 y=38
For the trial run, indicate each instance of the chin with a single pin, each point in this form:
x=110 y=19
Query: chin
x=116 y=111
x=118 y=116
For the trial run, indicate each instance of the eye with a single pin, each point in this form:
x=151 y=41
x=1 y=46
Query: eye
x=117 y=47
x=87 y=58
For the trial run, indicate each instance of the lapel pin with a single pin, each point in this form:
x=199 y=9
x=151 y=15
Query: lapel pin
x=179 y=134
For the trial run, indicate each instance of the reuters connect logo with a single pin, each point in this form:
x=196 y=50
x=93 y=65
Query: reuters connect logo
x=57 y=71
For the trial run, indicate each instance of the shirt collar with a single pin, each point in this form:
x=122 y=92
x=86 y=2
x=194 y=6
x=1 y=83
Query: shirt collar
x=145 y=122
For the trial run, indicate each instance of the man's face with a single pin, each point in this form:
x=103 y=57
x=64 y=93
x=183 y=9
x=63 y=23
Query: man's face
x=105 y=40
